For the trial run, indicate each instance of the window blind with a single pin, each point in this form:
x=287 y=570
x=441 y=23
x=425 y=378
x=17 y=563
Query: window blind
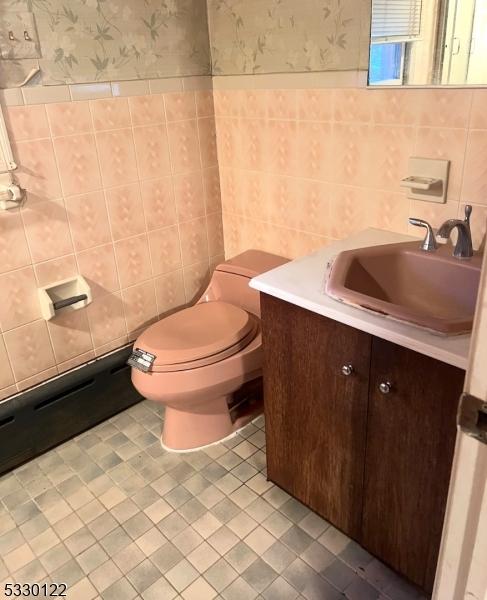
x=396 y=19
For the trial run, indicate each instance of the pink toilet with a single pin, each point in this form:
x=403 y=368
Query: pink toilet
x=208 y=358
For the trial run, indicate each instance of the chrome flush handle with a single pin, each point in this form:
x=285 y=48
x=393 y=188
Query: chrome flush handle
x=347 y=370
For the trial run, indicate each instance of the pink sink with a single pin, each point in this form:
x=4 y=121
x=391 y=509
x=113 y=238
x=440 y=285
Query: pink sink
x=433 y=290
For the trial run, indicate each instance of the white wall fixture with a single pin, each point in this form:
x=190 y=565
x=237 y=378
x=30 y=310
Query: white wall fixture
x=7 y=162
x=11 y=195
x=428 y=179
x=67 y=295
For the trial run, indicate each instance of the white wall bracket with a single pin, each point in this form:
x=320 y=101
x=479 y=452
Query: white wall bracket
x=11 y=194
x=428 y=179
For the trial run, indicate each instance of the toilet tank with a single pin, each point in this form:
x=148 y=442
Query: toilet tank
x=230 y=281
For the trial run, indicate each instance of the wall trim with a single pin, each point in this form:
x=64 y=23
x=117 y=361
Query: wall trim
x=46 y=94
x=314 y=80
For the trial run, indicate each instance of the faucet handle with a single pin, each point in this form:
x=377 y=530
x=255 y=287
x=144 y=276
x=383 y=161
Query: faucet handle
x=429 y=243
x=468 y=212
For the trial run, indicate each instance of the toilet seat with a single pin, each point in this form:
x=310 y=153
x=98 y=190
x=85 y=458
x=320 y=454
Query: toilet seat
x=198 y=336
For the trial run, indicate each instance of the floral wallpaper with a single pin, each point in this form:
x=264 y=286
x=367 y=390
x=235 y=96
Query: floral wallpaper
x=100 y=40
x=278 y=36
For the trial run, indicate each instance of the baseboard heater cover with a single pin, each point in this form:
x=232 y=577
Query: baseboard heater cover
x=45 y=416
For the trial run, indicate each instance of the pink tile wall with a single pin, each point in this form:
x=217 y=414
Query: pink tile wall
x=300 y=168
x=124 y=191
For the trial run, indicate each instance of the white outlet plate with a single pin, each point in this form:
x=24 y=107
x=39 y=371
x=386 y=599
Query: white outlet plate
x=21 y=25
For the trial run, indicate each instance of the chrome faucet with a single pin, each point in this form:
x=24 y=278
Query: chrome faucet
x=429 y=243
x=463 y=247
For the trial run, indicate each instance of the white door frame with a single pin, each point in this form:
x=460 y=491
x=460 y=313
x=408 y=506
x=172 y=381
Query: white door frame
x=462 y=566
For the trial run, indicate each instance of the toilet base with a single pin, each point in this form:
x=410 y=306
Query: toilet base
x=218 y=419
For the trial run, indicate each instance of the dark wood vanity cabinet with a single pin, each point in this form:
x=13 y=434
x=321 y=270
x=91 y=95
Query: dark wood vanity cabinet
x=373 y=460
x=315 y=416
x=410 y=442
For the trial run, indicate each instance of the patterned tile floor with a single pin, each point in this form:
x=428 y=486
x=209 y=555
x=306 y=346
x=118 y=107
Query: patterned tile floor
x=115 y=517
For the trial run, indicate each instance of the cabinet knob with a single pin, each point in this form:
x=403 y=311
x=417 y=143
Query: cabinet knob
x=385 y=387
x=347 y=370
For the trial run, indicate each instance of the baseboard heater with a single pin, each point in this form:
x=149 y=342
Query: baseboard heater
x=47 y=415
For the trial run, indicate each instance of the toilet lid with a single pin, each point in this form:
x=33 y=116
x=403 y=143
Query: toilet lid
x=195 y=333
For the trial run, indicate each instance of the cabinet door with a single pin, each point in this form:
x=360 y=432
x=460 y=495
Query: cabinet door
x=410 y=441
x=315 y=416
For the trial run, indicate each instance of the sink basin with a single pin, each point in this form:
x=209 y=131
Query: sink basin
x=433 y=290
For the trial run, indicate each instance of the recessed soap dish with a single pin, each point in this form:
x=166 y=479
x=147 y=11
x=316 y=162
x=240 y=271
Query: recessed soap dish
x=67 y=295
x=428 y=179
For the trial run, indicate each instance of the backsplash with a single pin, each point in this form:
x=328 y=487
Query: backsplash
x=124 y=191
x=280 y=36
x=302 y=167
x=85 y=41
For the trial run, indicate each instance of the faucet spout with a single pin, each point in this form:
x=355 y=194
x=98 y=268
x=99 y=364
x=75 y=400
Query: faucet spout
x=463 y=247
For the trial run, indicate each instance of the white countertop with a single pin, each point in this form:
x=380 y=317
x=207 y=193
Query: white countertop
x=302 y=282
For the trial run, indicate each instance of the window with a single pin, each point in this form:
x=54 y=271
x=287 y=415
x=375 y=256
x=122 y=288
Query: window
x=386 y=63
x=396 y=24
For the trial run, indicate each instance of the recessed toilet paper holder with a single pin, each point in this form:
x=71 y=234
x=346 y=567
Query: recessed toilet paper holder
x=66 y=295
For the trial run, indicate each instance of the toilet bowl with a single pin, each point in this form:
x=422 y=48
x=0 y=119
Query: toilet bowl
x=208 y=358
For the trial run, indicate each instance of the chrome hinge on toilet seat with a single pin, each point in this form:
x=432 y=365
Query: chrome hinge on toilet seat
x=142 y=360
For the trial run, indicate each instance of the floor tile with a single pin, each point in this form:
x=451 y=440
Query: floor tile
x=239 y=590
x=277 y=524
x=120 y=590
x=52 y=559
x=166 y=557
x=200 y=589
x=32 y=571
x=223 y=540
x=280 y=589
x=338 y=574
x=242 y=524
x=187 y=540
x=259 y=575
x=105 y=575
x=298 y=574
x=143 y=575
x=83 y=590
x=181 y=575
x=359 y=589
x=220 y=575
x=240 y=557
x=129 y=557
x=335 y=541
x=92 y=558
x=69 y=573
x=259 y=540
x=159 y=590
x=313 y=525
x=115 y=541
x=317 y=588
x=114 y=515
x=44 y=542
x=278 y=556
